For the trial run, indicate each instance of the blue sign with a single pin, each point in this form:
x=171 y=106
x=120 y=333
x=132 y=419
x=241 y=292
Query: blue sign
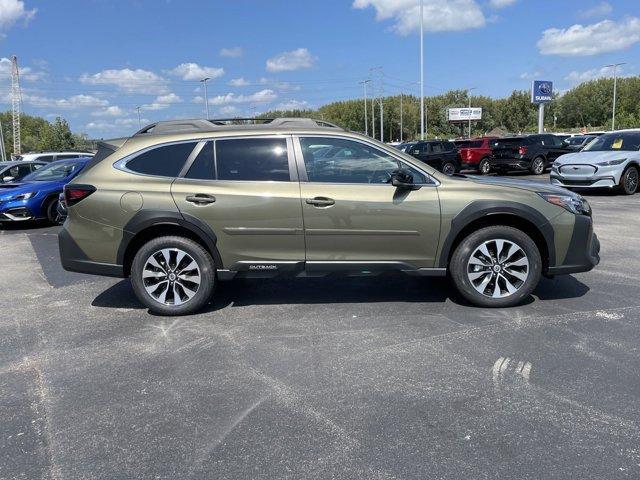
x=541 y=91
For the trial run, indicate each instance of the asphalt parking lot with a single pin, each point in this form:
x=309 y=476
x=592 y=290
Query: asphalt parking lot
x=371 y=377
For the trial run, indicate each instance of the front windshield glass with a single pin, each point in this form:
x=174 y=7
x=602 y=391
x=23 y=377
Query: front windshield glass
x=55 y=171
x=611 y=142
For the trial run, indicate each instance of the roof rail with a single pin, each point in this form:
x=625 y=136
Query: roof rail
x=201 y=125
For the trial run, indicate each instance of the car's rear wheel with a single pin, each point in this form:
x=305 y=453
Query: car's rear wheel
x=173 y=275
x=496 y=266
x=484 y=167
x=448 y=168
x=537 y=166
x=629 y=181
x=53 y=217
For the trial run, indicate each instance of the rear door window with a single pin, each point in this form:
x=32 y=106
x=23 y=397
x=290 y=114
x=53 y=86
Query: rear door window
x=252 y=159
x=203 y=166
x=163 y=161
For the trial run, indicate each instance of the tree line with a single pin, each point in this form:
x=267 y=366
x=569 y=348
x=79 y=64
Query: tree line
x=585 y=107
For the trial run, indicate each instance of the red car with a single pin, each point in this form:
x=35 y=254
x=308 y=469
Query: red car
x=475 y=153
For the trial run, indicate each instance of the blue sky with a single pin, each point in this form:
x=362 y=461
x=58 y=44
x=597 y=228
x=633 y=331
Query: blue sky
x=94 y=61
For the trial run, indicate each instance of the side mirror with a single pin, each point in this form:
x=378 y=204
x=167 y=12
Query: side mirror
x=7 y=179
x=402 y=178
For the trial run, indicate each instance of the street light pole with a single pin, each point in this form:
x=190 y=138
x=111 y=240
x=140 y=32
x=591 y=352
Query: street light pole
x=366 y=121
x=468 y=95
x=401 y=95
x=139 y=121
x=615 y=85
x=422 y=122
x=206 y=98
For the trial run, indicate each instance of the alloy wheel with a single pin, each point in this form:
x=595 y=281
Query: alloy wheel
x=498 y=268
x=538 y=166
x=448 y=169
x=631 y=180
x=171 y=276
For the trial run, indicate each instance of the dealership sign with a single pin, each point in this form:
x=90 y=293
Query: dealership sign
x=465 y=114
x=541 y=91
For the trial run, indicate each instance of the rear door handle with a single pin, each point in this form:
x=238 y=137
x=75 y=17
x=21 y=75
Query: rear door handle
x=201 y=199
x=320 y=201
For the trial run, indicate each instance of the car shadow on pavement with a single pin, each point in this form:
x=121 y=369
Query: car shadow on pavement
x=338 y=289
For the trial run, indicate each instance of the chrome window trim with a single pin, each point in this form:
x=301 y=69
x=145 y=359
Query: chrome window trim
x=302 y=172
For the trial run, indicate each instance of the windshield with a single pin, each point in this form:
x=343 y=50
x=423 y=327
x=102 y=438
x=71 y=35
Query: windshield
x=54 y=171
x=610 y=142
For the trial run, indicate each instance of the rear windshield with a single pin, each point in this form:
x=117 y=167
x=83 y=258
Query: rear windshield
x=625 y=141
x=469 y=144
x=510 y=142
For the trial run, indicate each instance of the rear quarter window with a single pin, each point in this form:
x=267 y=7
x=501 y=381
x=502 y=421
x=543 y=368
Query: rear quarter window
x=162 y=161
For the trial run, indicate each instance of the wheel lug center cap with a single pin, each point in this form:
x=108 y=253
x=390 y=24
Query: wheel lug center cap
x=497 y=268
x=172 y=277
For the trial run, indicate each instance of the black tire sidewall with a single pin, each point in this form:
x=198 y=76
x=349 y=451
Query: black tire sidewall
x=448 y=163
x=458 y=266
x=52 y=211
x=198 y=253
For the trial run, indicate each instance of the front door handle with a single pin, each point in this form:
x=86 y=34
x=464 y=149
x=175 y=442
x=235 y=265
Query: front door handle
x=201 y=199
x=320 y=201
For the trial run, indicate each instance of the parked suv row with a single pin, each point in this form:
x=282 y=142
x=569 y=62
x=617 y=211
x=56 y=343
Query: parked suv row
x=535 y=153
x=184 y=204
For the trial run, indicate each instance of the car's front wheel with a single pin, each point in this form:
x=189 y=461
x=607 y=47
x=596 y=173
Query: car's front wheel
x=484 y=167
x=53 y=216
x=629 y=181
x=496 y=266
x=173 y=275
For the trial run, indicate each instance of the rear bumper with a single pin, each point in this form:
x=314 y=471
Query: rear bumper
x=513 y=163
x=75 y=260
x=584 y=249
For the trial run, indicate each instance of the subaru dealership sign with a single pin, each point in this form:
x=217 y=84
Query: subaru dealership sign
x=465 y=114
x=541 y=91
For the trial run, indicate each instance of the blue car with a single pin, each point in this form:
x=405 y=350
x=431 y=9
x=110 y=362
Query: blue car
x=35 y=197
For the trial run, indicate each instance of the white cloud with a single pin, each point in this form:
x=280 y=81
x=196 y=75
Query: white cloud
x=293 y=105
x=600 y=10
x=26 y=73
x=70 y=103
x=439 y=15
x=293 y=60
x=118 y=123
x=162 y=101
x=531 y=75
x=127 y=80
x=229 y=110
x=12 y=11
x=263 y=96
x=501 y=3
x=233 y=52
x=195 y=72
x=583 y=40
x=579 y=77
x=112 y=111
x=239 y=82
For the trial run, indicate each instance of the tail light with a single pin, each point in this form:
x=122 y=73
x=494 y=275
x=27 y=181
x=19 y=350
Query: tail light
x=522 y=150
x=75 y=193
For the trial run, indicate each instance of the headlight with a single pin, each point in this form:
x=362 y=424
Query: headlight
x=23 y=196
x=572 y=203
x=610 y=163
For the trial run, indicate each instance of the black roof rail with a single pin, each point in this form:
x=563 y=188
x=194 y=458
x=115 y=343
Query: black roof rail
x=201 y=125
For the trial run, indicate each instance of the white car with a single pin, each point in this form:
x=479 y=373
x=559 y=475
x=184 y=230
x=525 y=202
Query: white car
x=52 y=156
x=611 y=160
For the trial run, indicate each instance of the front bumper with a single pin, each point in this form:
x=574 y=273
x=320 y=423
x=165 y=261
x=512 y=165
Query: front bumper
x=18 y=213
x=586 y=175
x=75 y=260
x=584 y=249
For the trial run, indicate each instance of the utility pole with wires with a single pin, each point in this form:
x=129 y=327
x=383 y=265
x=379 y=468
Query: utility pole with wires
x=206 y=97
x=366 y=121
x=380 y=72
x=16 y=98
x=139 y=120
x=373 y=117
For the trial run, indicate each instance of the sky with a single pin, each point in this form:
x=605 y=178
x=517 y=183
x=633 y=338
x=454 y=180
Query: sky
x=94 y=62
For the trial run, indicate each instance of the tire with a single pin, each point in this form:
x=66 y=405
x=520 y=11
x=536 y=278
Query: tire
x=629 y=180
x=178 y=298
x=51 y=209
x=448 y=168
x=537 y=166
x=484 y=167
x=468 y=266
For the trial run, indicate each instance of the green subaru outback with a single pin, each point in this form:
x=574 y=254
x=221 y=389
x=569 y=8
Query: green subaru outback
x=183 y=204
